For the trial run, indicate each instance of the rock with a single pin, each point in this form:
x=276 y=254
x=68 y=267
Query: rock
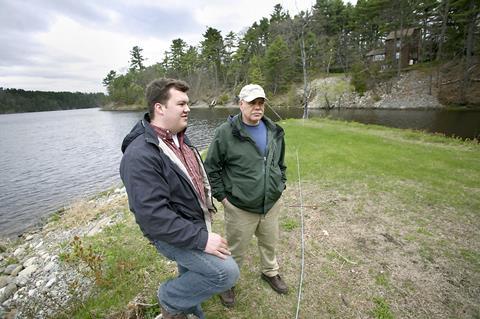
x=38 y=245
x=99 y=225
x=24 y=275
x=18 y=294
x=28 y=271
x=51 y=265
x=31 y=292
x=7 y=292
x=30 y=262
x=16 y=271
x=8 y=270
x=43 y=255
x=50 y=282
x=5 y=280
x=45 y=287
x=19 y=252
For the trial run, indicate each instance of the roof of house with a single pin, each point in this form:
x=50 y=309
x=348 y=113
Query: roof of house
x=406 y=33
x=375 y=52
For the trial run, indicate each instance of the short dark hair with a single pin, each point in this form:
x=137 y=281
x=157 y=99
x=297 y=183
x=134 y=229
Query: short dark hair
x=158 y=91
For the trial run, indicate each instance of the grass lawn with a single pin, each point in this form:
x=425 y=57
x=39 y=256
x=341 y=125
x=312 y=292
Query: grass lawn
x=391 y=228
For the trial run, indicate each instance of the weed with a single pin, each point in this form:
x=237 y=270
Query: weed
x=424 y=231
x=381 y=279
x=382 y=309
x=11 y=260
x=86 y=256
x=55 y=217
x=427 y=253
x=290 y=224
x=470 y=256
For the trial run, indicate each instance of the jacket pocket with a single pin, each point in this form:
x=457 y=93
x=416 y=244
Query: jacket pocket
x=275 y=183
x=251 y=196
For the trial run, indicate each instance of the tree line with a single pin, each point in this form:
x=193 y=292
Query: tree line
x=282 y=50
x=17 y=100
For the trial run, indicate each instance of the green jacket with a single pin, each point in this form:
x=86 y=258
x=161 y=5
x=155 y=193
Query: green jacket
x=239 y=172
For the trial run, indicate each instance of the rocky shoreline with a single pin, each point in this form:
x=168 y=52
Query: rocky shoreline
x=34 y=280
x=413 y=90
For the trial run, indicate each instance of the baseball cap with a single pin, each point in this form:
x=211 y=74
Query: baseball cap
x=250 y=92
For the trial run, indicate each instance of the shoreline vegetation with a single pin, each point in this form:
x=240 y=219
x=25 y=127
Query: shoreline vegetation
x=412 y=90
x=391 y=229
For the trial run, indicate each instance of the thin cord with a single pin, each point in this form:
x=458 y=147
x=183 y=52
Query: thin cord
x=271 y=108
x=303 y=243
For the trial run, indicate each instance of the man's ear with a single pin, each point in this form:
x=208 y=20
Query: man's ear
x=158 y=108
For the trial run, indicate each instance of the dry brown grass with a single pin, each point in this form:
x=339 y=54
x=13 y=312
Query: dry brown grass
x=361 y=247
x=83 y=212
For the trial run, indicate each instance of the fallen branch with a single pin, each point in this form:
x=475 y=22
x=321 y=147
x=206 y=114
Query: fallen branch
x=450 y=82
x=344 y=258
x=309 y=206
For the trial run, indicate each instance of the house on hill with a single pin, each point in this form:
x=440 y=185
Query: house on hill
x=403 y=45
x=376 y=56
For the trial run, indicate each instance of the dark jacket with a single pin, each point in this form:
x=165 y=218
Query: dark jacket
x=238 y=171
x=162 y=198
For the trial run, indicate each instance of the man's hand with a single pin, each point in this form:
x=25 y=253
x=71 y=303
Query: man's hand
x=224 y=201
x=217 y=245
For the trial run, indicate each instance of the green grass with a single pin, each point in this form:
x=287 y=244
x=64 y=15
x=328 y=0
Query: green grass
x=289 y=224
x=391 y=224
x=381 y=279
x=382 y=309
x=131 y=268
x=438 y=172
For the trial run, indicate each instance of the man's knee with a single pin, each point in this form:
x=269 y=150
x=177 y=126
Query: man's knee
x=228 y=274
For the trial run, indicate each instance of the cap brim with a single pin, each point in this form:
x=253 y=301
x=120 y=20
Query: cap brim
x=250 y=99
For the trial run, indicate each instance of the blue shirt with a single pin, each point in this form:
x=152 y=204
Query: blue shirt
x=259 y=134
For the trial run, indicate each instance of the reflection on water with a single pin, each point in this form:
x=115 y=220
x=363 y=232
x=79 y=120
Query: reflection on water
x=463 y=124
x=50 y=159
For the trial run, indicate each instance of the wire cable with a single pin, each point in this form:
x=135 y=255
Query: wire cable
x=271 y=108
x=303 y=242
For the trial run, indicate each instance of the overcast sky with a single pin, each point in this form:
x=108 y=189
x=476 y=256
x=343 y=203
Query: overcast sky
x=71 y=45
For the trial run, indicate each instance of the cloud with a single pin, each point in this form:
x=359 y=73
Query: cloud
x=72 y=45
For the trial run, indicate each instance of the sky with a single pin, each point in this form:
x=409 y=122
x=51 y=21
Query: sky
x=71 y=45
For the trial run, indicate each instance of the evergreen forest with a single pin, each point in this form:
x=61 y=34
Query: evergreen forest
x=19 y=101
x=284 y=51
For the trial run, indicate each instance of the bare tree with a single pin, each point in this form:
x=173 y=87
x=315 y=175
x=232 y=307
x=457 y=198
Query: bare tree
x=305 y=19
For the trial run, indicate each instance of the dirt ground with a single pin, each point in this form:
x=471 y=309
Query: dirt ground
x=369 y=255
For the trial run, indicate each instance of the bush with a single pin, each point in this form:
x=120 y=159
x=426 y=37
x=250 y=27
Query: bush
x=223 y=99
x=359 y=78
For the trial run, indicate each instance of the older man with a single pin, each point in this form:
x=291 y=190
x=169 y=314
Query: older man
x=245 y=164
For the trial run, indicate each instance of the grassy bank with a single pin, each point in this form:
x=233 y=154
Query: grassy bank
x=392 y=230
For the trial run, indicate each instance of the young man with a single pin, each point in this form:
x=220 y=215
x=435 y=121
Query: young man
x=245 y=164
x=169 y=193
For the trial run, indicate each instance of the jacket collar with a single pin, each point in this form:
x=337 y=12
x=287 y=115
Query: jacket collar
x=143 y=127
x=239 y=132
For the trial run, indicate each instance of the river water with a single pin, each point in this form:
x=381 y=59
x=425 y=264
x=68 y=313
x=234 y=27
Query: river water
x=51 y=159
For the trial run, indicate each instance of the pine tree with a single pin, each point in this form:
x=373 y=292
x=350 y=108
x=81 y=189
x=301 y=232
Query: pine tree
x=136 y=59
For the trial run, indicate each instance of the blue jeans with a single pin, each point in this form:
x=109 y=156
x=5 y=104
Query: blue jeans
x=201 y=276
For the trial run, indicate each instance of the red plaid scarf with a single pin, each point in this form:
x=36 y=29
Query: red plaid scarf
x=187 y=156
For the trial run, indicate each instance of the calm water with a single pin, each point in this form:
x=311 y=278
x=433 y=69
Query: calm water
x=50 y=159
